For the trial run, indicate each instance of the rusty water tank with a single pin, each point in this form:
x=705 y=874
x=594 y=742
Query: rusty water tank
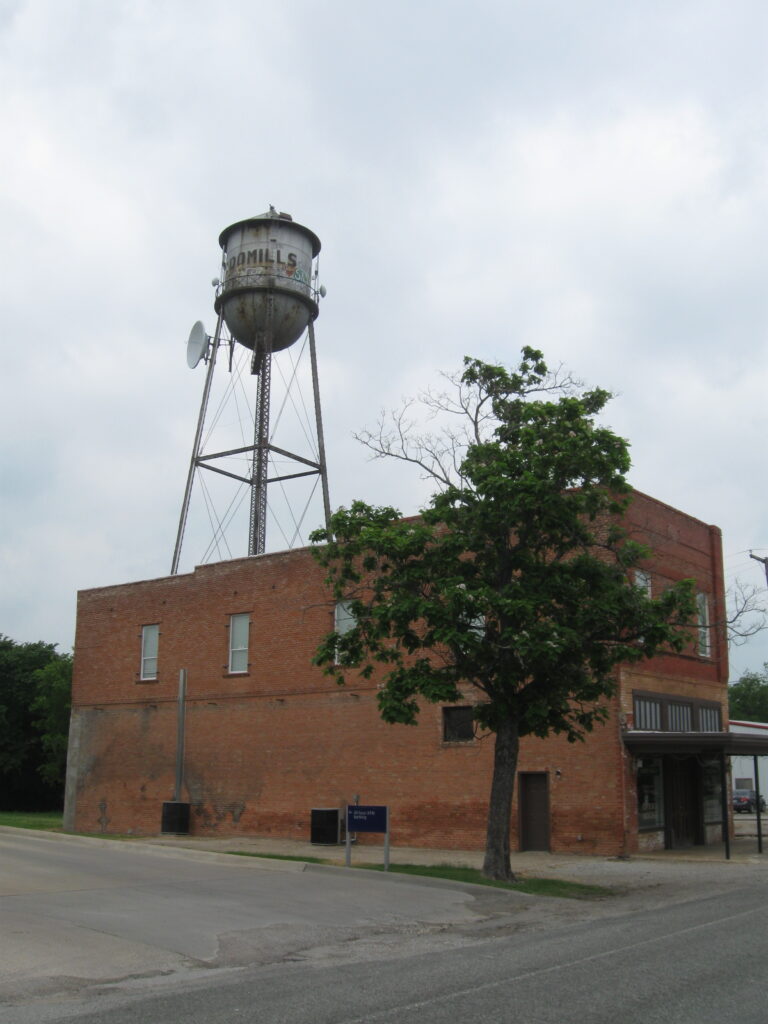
x=267 y=283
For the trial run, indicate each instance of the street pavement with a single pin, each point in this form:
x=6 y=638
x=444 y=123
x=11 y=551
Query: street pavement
x=95 y=925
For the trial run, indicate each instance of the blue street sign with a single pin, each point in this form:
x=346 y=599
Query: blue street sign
x=371 y=818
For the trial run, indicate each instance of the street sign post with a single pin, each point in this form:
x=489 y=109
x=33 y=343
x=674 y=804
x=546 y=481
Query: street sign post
x=367 y=818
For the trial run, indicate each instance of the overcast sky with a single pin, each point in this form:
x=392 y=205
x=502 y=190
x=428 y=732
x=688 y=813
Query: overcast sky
x=589 y=178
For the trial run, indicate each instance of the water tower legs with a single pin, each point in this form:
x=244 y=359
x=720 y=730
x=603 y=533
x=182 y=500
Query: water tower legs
x=257 y=534
x=259 y=452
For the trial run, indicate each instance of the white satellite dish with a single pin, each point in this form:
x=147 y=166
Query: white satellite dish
x=197 y=346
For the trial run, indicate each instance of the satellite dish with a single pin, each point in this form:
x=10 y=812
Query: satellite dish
x=197 y=346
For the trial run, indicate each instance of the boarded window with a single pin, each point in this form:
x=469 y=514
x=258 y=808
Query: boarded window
x=709 y=719
x=680 y=717
x=458 y=725
x=647 y=713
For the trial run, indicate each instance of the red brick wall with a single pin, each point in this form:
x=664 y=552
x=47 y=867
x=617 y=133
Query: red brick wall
x=265 y=747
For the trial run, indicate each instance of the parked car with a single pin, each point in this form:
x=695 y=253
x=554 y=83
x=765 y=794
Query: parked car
x=745 y=801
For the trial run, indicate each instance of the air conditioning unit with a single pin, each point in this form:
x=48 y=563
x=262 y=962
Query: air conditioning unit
x=325 y=826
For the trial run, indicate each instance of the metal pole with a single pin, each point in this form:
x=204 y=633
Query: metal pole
x=724 y=802
x=386 y=844
x=319 y=427
x=261 y=365
x=765 y=565
x=348 y=844
x=757 y=806
x=180 y=735
x=257 y=534
x=196 y=447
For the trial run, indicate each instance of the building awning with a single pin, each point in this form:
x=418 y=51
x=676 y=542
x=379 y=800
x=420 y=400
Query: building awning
x=638 y=741
x=715 y=744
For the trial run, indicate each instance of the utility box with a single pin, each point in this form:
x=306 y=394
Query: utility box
x=175 y=820
x=325 y=826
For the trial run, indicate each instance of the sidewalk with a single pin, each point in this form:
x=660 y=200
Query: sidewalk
x=575 y=867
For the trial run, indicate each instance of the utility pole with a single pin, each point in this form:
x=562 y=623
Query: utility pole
x=765 y=564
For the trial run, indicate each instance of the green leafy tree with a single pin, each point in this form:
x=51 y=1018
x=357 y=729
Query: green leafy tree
x=27 y=732
x=51 y=709
x=748 y=698
x=515 y=579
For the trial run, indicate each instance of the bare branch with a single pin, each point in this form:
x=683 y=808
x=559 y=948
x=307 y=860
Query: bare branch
x=407 y=434
x=747 y=612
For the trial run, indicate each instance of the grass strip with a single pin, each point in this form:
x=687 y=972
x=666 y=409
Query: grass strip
x=533 y=886
x=44 y=821
x=558 y=887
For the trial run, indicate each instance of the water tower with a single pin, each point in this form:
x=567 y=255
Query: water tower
x=266 y=298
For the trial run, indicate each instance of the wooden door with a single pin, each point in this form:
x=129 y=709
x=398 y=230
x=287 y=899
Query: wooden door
x=682 y=815
x=533 y=789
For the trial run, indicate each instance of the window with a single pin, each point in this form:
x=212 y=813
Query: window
x=709 y=719
x=458 y=725
x=149 y=642
x=647 y=713
x=704 y=646
x=643 y=582
x=650 y=793
x=712 y=790
x=680 y=717
x=238 y=642
x=343 y=620
x=660 y=712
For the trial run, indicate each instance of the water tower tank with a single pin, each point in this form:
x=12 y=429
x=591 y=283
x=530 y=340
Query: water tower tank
x=267 y=276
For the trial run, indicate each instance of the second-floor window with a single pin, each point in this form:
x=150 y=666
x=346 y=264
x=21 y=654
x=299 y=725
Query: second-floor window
x=343 y=620
x=150 y=637
x=668 y=713
x=238 y=642
x=704 y=644
x=643 y=582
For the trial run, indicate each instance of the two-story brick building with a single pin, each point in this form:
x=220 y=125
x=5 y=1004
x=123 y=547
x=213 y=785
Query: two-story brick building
x=268 y=737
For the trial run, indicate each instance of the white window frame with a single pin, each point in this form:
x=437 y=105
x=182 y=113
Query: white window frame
x=644 y=582
x=343 y=621
x=343 y=618
x=150 y=643
x=704 y=643
x=238 y=655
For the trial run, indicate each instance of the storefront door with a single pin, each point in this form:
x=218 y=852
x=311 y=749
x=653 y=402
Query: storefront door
x=682 y=802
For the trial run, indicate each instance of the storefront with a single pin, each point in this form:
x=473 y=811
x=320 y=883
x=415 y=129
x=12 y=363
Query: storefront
x=683 y=795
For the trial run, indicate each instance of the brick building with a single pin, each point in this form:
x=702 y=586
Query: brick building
x=269 y=737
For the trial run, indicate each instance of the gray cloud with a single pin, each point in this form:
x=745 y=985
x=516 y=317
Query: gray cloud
x=589 y=180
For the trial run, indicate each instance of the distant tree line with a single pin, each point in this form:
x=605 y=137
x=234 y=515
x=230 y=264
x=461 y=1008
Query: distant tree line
x=35 y=698
x=748 y=698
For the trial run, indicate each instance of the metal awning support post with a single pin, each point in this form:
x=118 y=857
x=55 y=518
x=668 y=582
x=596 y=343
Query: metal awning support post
x=724 y=801
x=757 y=806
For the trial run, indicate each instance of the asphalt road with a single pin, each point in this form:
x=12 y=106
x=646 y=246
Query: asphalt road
x=98 y=932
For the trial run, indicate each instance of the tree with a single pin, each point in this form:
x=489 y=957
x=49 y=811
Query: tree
x=51 y=708
x=748 y=698
x=747 y=614
x=515 y=579
x=35 y=682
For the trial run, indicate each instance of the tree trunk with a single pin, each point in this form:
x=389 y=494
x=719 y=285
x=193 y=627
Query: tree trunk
x=497 y=864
